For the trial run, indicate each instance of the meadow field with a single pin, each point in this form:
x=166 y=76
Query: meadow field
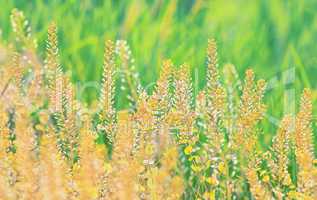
x=158 y=99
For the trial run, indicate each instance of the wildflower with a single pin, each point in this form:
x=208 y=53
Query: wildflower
x=40 y=127
x=293 y=194
x=221 y=167
x=108 y=167
x=210 y=195
x=215 y=98
x=212 y=180
x=196 y=168
x=251 y=111
x=188 y=150
x=108 y=87
x=266 y=179
x=22 y=29
x=129 y=75
x=149 y=149
x=258 y=190
x=304 y=147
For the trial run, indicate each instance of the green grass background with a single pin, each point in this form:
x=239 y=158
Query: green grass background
x=271 y=36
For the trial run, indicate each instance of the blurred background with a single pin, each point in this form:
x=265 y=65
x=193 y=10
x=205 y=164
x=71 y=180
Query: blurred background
x=274 y=37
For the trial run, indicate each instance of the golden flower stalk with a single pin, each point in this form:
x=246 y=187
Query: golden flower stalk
x=54 y=70
x=108 y=87
x=161 y=103
x=107 y=113
x=53 y=170
x=124 y=168
x=251 y=112
x=129 y=77
x=21 y=27
x=163 y=184
x=281 y=148
x=214 y=91
x=259 y=191
x=304 y=150
x=92 y=166
x=182 y=117
x=26 y=157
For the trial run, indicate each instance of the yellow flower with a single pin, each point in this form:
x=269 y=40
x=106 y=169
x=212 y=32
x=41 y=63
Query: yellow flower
x=100 y=149
x=196 y=168
x=212 y=180
x=210 y=195
x=108 y=167
x=193 y=158
x=76 y=167
x=188 y=150
x=202 y=179
x=40 y=127
x=221 y=167
x=292 y=187
x=266 y=179
x=293 y=194
x=141 y=188
x=287 y=180
x=149 y=149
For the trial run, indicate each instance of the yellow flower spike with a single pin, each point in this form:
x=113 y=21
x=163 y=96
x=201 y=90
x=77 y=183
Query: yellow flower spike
x=292 y=194
x=76 y=167
x=141 y=188
x=221 y=167
x=196 y=168
x=212 y=195
x=149 y=150
x=108 y=167
x=315 y=162
x=62 y=134
x=212 y=180
x=292 y=187
x=100 y=149
x=10 y=156
x=188 y=150
x=287 y=180
x=40 y=127
x=266 y=179
x=191 y=158
x=208 y=163
x=183 y=141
